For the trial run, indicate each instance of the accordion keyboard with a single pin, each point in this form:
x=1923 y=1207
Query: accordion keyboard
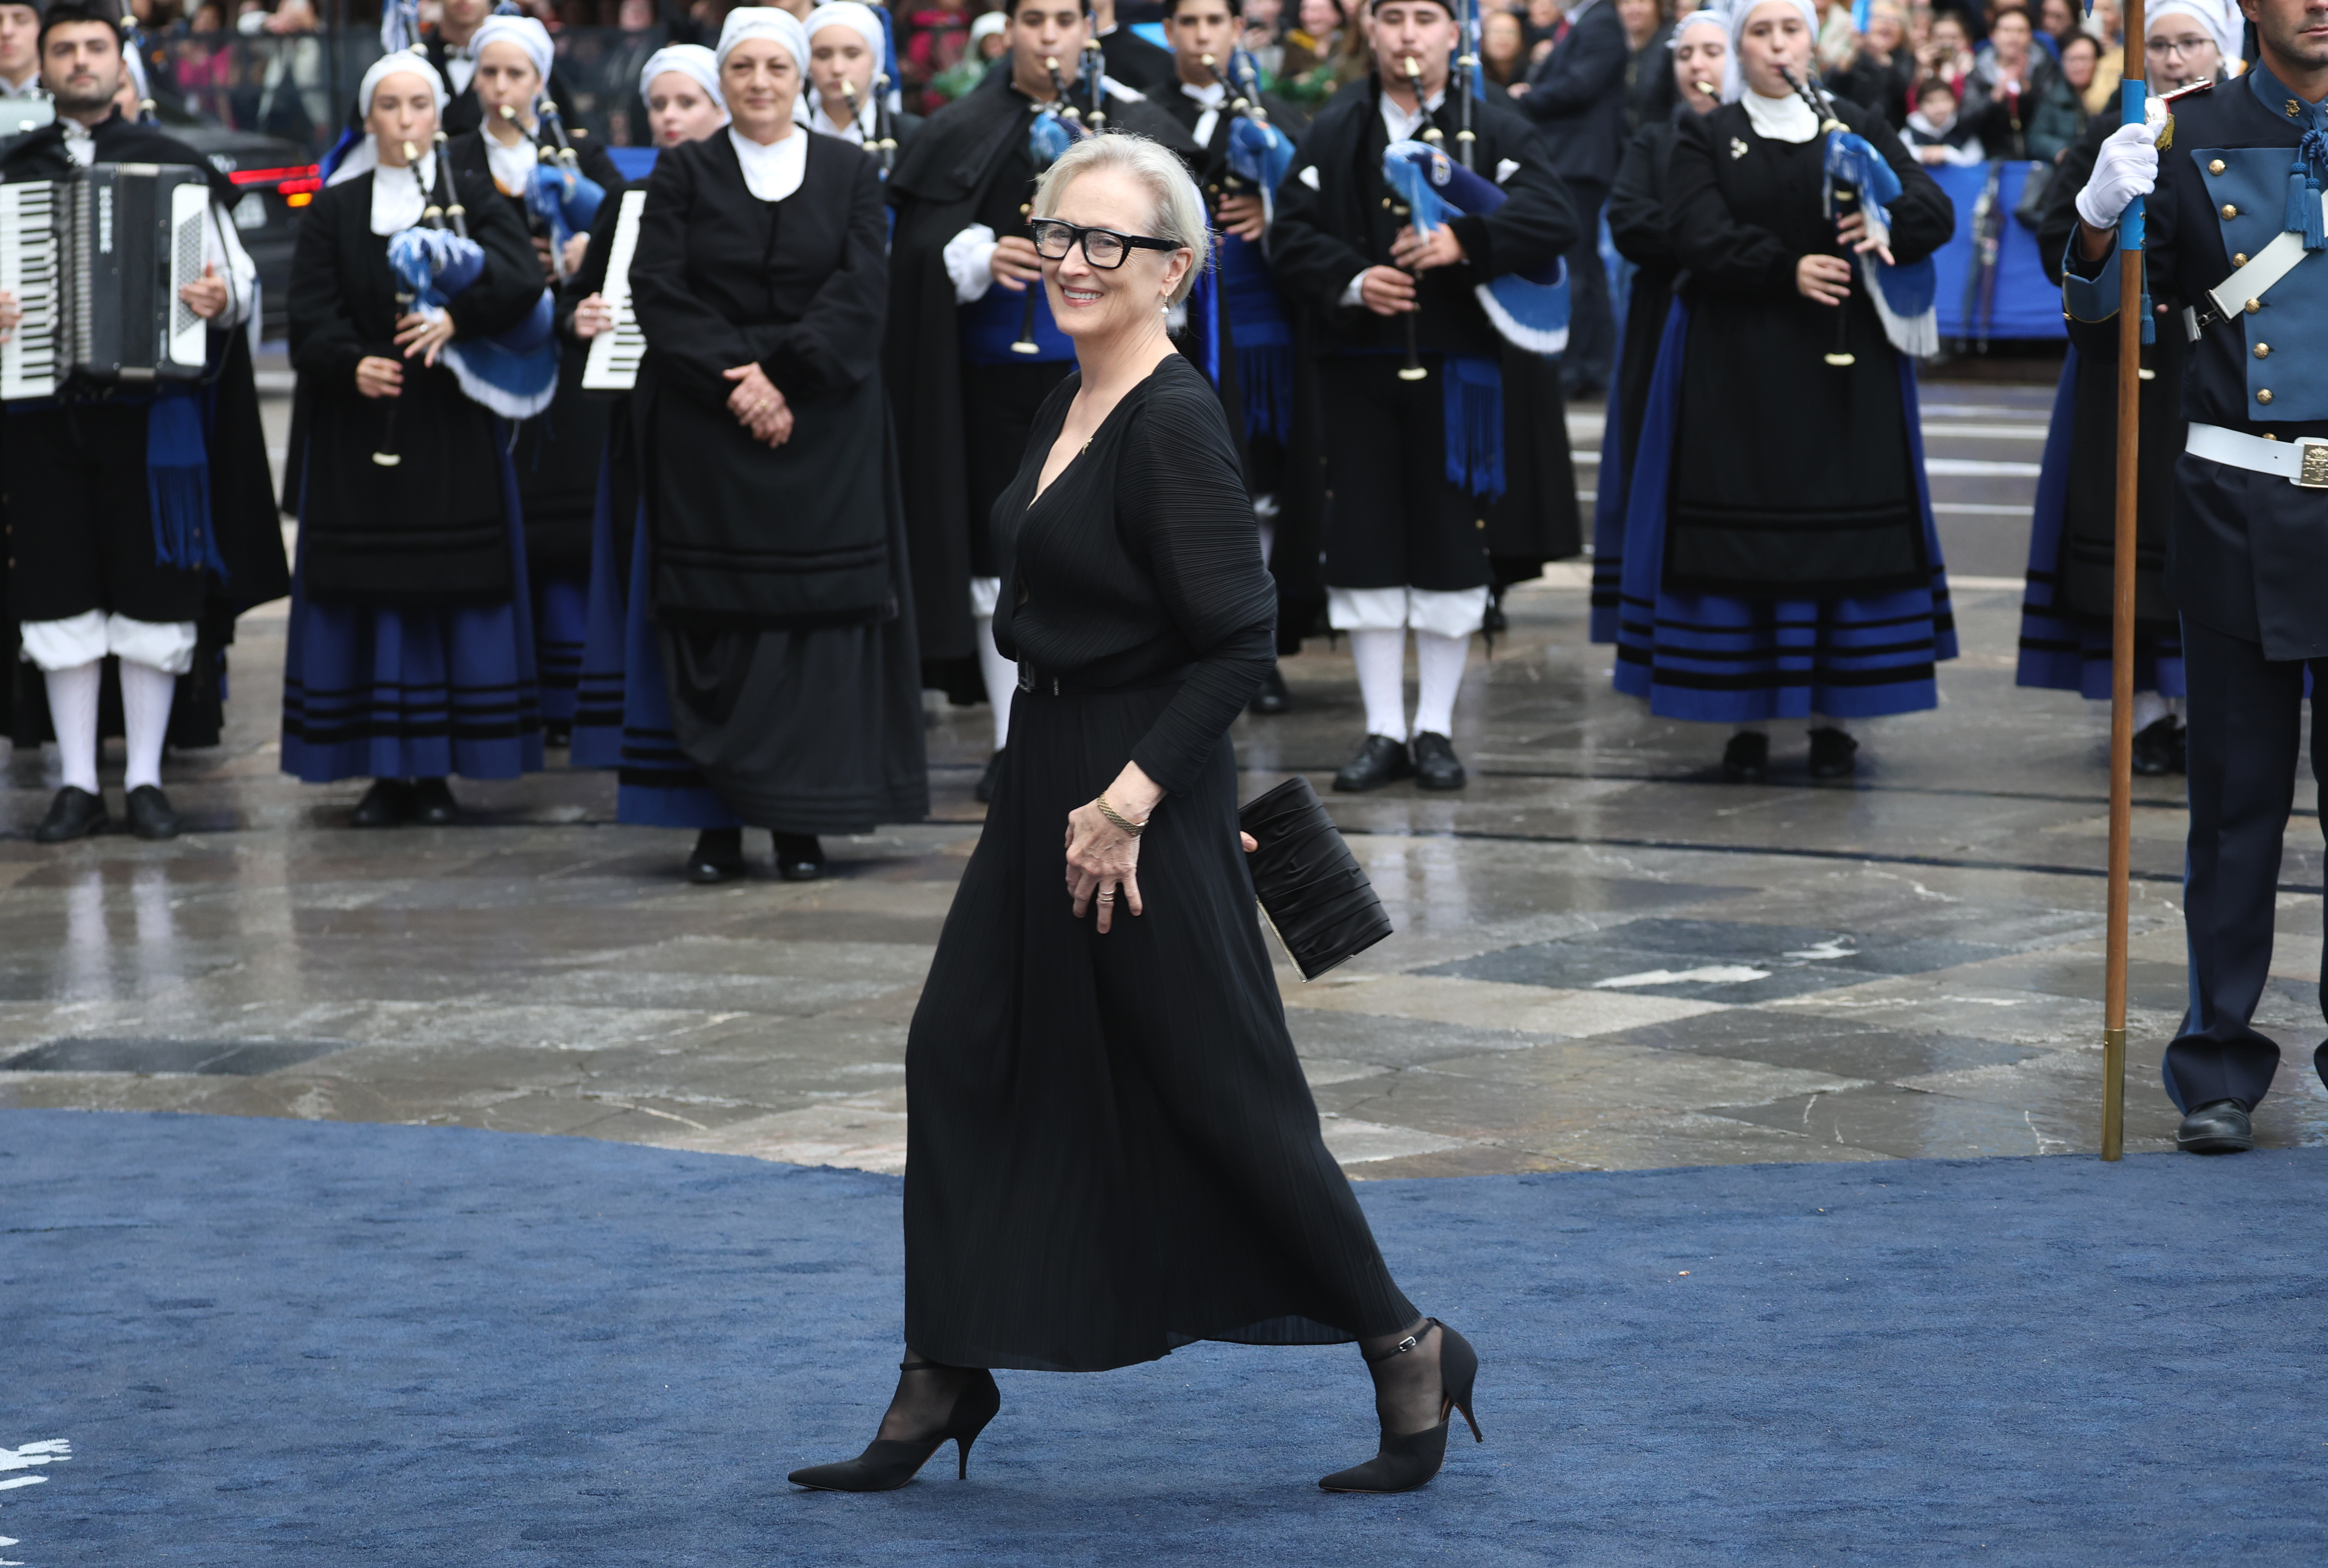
x=31 y=360
x=615 y=354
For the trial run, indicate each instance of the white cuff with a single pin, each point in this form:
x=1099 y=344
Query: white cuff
x=1354 y=293
x=984 y=593
x=970 y=262
x=84 y=639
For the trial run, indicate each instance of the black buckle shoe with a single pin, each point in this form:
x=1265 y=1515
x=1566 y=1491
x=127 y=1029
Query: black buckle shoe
x=799 y=857
x=387 y=805
x=1747 y=758
x=1833 y=754
x=1436 y=765
x=1380 y=761
x=2218 y=1127
x=75 y=814
x=984 y=793
x=149 y=813
x=2156 y=748
x=433 y=805
x=718 y=856
x=1272 y=697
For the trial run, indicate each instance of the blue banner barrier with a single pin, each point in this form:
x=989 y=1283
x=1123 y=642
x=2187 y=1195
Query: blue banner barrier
x=2021 y=303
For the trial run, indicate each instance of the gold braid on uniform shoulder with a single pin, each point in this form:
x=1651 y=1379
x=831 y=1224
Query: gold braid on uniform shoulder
x=2166 y=134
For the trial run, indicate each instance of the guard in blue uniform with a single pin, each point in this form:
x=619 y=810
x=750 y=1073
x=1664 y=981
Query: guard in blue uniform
x=2235 y=253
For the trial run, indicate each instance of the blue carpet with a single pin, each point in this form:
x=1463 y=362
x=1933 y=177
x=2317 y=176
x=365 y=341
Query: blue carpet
x=274 y=1342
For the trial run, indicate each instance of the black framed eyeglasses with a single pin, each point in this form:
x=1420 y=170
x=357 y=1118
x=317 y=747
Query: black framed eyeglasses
x=1103 y=248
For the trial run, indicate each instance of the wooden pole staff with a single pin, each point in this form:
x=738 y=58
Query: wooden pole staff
x=2131 y=313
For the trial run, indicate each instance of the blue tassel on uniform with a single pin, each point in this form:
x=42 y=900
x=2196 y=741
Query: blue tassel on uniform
x=178 y=485
x=1266 y=380
x=1475 y=423
x=2303 y=215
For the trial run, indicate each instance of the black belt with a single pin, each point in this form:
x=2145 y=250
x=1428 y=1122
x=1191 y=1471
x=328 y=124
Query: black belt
x=1037 y=684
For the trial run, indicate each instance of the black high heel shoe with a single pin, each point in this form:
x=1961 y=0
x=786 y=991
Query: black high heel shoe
x=1409 y=1459
x=888 y=1463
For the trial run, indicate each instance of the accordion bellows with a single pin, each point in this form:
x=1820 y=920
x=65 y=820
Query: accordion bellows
x=1312 y=889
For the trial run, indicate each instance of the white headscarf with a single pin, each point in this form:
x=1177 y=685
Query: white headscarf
x=851 y=15
x=749 y=22
x=1741 y=12
x=390 y=198
x=1711 y=16
x=2220 y=18
x=690 y=60
x=527 y=34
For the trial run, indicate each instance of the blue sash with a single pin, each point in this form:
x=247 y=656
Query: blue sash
x=990 y=326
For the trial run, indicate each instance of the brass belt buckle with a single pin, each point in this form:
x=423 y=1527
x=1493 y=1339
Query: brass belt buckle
x=2312 y=463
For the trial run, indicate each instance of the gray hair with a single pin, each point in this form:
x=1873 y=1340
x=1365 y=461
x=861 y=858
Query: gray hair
x=1179 y=210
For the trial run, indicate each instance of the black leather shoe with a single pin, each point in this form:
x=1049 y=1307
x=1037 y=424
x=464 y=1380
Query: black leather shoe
x=433 y=805
x=718 y=856
x=1380 y=761
x=984 y=792
x=556 y=736
x=2158 y=748
x=1272 y=697
x=75 y=814
x=799 y=857
x=1436 y=765
x=2218 y=1127
x=149 y=813
x=1833 y=754
x=387 y=805
x=1747 y=758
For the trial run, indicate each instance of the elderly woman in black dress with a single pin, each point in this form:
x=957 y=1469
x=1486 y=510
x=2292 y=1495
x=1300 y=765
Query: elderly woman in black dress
x=778 y=583
x=1112 y=1149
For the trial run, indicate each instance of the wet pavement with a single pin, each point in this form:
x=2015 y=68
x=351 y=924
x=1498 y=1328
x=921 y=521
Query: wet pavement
x=1605 y=958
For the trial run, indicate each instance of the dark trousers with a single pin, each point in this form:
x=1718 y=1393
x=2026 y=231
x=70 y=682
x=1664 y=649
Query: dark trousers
x=2246 y=718
x=1591 y=357
x=1392 y=520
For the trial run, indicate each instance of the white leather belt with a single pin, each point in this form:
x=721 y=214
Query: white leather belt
x=2301 y=462
x=2244 y=289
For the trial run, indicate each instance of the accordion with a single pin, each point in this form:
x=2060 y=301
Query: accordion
x=613 y=365
x=96 y=261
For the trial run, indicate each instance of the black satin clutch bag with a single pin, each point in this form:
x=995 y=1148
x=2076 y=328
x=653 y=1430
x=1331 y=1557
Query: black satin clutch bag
x=1312 y=889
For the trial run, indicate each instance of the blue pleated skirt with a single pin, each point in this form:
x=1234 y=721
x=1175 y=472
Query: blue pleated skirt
x=599 y=687
x=2058 y=653
x=560 y=627
x=657 y=786
x=378 y=691
x=1724 y=660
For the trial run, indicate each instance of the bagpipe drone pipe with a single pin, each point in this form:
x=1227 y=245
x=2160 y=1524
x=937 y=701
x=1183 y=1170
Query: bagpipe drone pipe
x=557 y=194
x=515 y=372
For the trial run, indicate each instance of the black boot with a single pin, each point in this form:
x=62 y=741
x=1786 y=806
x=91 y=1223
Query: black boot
x=149 y=813
x=433 y=805
x=1747 y=758
x=888 y=1463
x=1380 y=761
x=1833 y=753
x=387 y=805
x=799 y=857
x=2158 y=747
x=718 y=856
x=1272 y=697
x=75 y=814
x=1405 y=1461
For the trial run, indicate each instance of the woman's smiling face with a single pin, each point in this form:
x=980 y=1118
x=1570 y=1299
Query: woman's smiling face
x=1088 y=301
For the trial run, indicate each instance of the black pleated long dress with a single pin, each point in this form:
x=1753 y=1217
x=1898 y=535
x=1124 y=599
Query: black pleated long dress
x=1111 y=1150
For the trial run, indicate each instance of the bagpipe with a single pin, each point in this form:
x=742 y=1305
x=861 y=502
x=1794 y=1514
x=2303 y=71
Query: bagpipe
x=1056 y=127
x=1857 y=179
x=558 y=196
x=515 y=372
x=1238 y=283
x=1529 y=310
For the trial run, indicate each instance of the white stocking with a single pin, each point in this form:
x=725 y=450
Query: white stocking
x=1002 y=678
x=2149 y=707
x=146 y=697
x=1439 y=676
x=1381 y=657
x=72 y=710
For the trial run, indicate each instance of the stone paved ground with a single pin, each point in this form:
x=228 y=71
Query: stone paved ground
x=1606 y=958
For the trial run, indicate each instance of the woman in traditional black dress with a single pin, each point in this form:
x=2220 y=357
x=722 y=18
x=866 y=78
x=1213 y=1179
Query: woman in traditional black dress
x=1112 y=1149
x=778 y=586
x=410 y=650
x=1780 y=560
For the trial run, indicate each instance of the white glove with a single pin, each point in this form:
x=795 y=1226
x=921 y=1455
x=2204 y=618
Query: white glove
x=2126 y=167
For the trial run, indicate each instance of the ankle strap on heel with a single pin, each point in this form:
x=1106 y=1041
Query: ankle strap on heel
x=1404 y=1345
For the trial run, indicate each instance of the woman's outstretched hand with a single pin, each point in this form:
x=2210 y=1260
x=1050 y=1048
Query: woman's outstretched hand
x=1102 y=860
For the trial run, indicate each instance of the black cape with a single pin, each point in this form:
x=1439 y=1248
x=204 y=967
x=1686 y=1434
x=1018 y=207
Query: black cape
x=937 y=189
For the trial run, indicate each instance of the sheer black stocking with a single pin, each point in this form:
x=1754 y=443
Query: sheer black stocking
x=927 y=1392
x=1409 y=1393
